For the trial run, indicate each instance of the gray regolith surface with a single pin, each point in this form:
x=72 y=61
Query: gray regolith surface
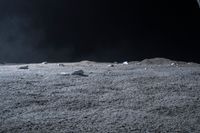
x=152 y=96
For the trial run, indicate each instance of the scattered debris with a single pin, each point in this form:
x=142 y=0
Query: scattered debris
x=24 y=67
x=125 y=63
x=79 y=73
x=44 y=62
x=111 y=65
x=61 y=65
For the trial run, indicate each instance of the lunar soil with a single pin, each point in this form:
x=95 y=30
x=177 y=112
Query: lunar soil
x=151 y=96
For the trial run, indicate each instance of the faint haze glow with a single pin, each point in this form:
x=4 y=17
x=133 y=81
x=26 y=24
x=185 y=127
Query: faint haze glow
x=18 y=39
x=198 y=2
x=106 y=30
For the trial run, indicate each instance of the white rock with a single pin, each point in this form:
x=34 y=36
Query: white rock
x=172 y=64
x=44 y=62
x=125 y=63
x=64 y=74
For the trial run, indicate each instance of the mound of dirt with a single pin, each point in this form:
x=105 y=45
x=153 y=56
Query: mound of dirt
x=159 y=61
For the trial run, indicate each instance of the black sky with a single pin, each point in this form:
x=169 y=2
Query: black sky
x=100 y=30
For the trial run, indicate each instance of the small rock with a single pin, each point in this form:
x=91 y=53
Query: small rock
x=64 y=74
x=44 y=62
x=61 y=65
x=79 y=73
x=24 y=67
x=145 y=68
x=172 y=64
x=111 y=65
x=125 y=63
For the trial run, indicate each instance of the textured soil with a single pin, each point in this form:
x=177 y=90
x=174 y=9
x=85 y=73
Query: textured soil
x=151 y=96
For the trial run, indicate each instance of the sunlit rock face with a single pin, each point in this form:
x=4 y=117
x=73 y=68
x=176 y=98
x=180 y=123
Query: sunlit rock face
x=153 y=95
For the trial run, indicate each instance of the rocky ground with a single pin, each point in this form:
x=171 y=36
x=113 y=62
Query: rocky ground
x=151 y=96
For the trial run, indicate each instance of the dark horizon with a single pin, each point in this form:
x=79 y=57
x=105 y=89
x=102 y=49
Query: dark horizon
x=106 y=30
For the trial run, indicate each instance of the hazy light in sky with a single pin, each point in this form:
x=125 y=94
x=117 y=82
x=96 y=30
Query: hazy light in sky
x=198 y=2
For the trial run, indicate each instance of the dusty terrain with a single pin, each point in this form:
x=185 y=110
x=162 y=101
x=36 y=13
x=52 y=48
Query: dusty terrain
x=152 y=96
